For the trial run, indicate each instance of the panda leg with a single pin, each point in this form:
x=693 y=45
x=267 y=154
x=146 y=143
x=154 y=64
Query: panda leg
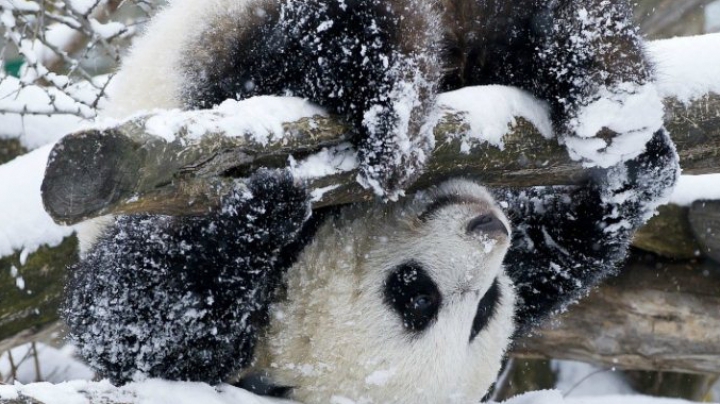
x=371 y=61
x=184 y=298
x=567 y=239
x=591 y=67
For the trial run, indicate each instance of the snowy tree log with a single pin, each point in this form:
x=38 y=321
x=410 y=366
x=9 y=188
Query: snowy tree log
x=654 y=316
x=30 y=290
x=133 y=171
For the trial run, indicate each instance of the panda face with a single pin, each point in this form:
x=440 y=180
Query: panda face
x=407 y=303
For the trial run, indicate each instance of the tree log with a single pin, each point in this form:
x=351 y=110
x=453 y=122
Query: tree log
x=669 y=234
x=124 y=170
x=654 y=316
x=30 y=292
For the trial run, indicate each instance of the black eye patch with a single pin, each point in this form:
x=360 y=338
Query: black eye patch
x=411 y=293
x=486 y=309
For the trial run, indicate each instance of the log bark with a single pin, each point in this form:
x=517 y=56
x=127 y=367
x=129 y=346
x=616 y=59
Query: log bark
x=705 y=224
x=133 y=172
x=669 y=234
x=654 y=316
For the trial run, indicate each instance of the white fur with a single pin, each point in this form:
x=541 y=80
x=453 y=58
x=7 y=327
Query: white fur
x=90 y=231
x=334 y=338
x=150 y=77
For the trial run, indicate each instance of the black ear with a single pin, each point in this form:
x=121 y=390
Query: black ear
x=486 y=309
x=413 y=295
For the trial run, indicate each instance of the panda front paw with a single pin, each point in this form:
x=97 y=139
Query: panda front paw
x=271 y=205
x=638 y=186
x=393 y=155
x=615 y=126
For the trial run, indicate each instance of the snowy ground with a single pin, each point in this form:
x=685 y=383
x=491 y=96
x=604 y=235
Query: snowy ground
x=66 y=383
x=162 y=392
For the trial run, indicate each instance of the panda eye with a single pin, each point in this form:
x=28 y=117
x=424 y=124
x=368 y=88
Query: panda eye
x=422 y=303
x=413 y=295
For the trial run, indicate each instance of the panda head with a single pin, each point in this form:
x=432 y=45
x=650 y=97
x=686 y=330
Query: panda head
x=401 y=303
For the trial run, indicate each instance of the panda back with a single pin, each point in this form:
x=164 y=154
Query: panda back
x=151 y=76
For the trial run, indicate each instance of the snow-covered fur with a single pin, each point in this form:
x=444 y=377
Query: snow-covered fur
x=340 y=330
x=376 y=302
x=371 y=300
x=380 y=63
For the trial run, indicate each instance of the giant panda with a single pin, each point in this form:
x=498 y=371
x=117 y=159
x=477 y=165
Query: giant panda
x=411 y=299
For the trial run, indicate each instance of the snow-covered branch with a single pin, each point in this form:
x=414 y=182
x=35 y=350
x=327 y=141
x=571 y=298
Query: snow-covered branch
x=182 y=162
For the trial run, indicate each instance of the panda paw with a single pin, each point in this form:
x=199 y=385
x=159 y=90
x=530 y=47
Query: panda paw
x=615 y=126
x=272 y=205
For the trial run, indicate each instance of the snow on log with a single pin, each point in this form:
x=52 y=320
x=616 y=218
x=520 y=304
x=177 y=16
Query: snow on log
x=182 y=162
x=149 y=392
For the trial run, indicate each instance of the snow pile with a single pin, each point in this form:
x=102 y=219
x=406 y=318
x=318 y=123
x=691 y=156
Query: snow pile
x=55 y=365
x=25 y=225
x=691 y=188
x=687 y=67
x=261 y=117
x=578 y=379
x=148 y=392
x=491 y=110
x=333 y=160
x=555 y=397
x=155 y=391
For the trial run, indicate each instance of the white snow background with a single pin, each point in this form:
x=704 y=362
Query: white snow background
x=687 y=69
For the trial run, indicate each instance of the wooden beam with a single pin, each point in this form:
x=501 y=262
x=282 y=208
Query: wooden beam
x=657 y=315
x=130 y=171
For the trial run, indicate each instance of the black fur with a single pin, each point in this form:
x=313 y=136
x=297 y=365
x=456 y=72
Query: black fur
x=486 y=309
x=414 y=297
x=567 y=239
x=184 y=298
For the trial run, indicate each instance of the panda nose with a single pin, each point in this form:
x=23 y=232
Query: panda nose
x=487 y=224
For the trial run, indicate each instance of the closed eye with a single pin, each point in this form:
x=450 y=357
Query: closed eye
x=486 y=309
